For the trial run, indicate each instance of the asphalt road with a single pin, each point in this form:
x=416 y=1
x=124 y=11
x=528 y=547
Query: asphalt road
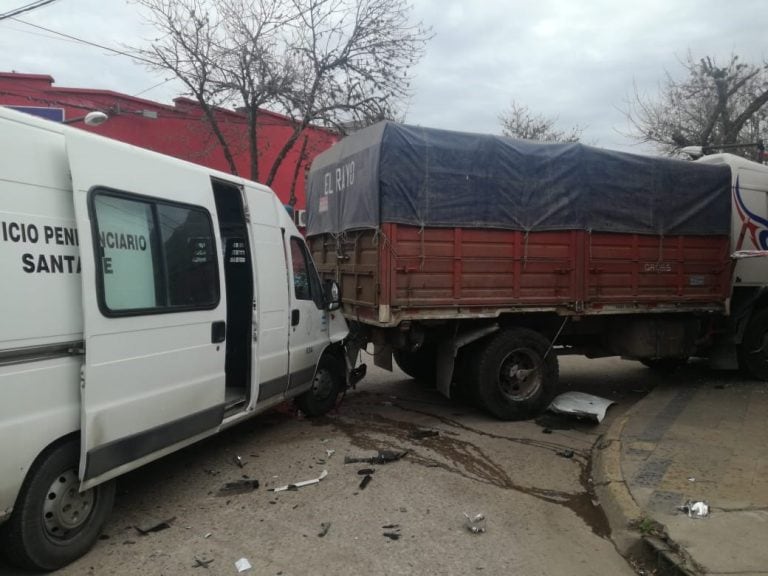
x=540 y=516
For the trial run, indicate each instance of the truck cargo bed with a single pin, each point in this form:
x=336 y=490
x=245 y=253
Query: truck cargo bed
x=403 y=272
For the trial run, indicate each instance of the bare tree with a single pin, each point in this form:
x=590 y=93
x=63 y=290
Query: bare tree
x=519 y=122
x=329 y=62
x=712 y=106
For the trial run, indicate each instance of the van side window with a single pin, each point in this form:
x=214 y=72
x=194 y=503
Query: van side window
x=155 y=256
x=306 y=282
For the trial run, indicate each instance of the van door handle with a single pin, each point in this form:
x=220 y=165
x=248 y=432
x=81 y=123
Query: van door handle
x=295 y=317
x=218 y=332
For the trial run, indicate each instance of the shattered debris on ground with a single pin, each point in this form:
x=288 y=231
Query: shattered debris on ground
x=298 y=485
x=383 y=457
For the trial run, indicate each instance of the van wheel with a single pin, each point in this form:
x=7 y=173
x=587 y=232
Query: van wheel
x=516 y=374
x=326 y=387
x=53 y=523
x=753 y=351
x=419 y=364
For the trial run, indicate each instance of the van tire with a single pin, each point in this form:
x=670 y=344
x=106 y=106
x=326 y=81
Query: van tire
x=44 y=533
x=327 y=384
x=500 y=362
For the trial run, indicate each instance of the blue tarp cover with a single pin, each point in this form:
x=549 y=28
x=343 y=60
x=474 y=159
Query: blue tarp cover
x=391 y=172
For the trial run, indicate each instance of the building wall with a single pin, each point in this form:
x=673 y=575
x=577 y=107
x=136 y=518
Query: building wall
x=179 y=130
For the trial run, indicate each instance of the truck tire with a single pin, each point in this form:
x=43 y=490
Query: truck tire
x=327 y=384
x=53 y=523
x=753 y=351
x=515 y=375
x=419 y=364
x=663 y=365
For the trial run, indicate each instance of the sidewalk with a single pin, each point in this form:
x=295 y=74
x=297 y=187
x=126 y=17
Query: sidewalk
x=700 y=436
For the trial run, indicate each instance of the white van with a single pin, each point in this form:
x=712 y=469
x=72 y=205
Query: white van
x=146 y=303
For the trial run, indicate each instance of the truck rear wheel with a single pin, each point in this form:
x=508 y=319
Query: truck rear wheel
x=327 y=384
x=753 y=351
x=53 y=523
x=419 y=364
x=663 y=365
x=516 y=374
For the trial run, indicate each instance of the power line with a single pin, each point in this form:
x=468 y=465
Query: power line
x=82 y=41
x=25 y=8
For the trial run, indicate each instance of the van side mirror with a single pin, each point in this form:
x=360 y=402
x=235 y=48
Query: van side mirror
x=332 y=295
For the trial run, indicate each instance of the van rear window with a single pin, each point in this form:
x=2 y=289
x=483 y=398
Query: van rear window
x=155 y=256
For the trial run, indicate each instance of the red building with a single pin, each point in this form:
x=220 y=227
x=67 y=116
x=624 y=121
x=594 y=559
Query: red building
x=179 y=130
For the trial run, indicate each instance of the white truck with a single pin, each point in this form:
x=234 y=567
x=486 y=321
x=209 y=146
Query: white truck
x=147 y=303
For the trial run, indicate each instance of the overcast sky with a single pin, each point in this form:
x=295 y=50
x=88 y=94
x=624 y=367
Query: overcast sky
x=575 y=59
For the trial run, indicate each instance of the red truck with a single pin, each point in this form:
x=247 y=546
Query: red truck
x=476 y=260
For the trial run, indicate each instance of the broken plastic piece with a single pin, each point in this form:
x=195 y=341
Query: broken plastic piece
x=567 y=453
x=238 y=487
x=475 y=524
x=298 y=485
x=581 y=404
x=154 y=526
x=330 y=453
x=324 y=527
x=238 y=461
x=392 y=531
x=365 y=481
x=695 y=508
x=201 y=563
x=242 y=565
x=383 y=457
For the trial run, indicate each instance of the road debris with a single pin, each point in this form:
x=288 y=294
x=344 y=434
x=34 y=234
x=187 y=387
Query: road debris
x=695 y=509
x=567 y=453
x=324 y=527
x=475 y=524
x=201 y=563
x=365 y=481
x=154 y=526
x=238 y=487
x=392 y=531
x=239 y=461
x=298 y=485
x=242 y=565
x=383 y=457
x=422 y=434
x=329 y=453
x=207 y=535
x=580 y=404
x=366 y=471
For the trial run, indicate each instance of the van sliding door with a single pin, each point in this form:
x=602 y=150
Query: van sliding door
x=154 y=313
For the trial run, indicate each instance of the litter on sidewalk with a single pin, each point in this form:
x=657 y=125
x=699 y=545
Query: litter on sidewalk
x=298 y=485
x=581 y=404
x=695 y=509
x=242 y=565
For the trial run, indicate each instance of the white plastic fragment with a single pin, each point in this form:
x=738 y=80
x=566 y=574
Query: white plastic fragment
x=475 y=524
x=330 y=453
x=301 y=484
x=581 y=404
x=242 y=565
x=695 y=508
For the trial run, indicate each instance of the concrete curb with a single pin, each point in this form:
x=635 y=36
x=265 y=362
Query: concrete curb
x=612 y=491
x=624 y=515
